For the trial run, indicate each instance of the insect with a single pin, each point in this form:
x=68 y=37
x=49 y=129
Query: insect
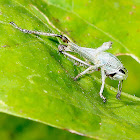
x=109 y=64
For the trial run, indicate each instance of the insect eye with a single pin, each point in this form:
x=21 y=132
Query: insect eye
x=111 y=75
x=122 y=71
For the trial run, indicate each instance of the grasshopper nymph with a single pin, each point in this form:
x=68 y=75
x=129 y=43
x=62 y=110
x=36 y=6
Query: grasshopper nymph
x=109 y=64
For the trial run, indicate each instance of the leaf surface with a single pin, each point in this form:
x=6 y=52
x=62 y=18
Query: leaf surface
x=37 y=82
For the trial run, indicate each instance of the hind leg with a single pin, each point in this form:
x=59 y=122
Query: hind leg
x=63 y=48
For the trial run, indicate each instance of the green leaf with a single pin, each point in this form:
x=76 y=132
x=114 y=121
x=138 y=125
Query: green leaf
x=37 y=82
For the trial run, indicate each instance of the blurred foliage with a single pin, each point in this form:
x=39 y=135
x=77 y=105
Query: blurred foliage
x=37 y=82
x=14 y=128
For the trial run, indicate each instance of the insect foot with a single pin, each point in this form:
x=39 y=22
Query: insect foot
x=75 y=78
x=104 y=100
x=64 y=39
x=107 y=45
x=62 y=47
x=118 y=96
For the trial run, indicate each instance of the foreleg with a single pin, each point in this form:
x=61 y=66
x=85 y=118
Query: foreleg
x=103 y=83
x=93 y=68
x=119 y=89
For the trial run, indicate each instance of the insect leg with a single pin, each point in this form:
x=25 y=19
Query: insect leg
x=63 y=48
x=75 y=58
x=119 y=89
x=103 y=83
x=64 y=39
x=104 y=47
x=86 y=71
